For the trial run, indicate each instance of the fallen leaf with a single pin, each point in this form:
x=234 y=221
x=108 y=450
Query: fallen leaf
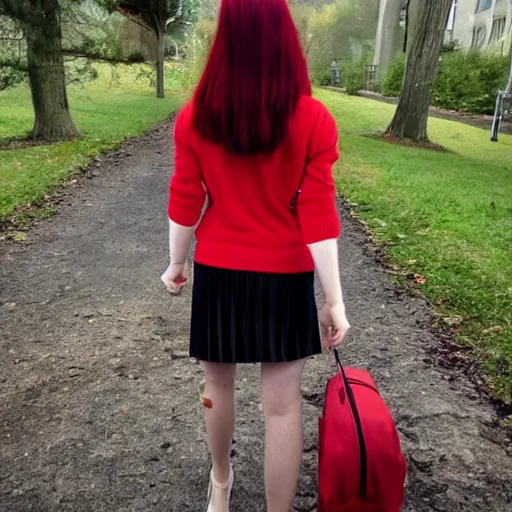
x=418 y=279
x=20 y=237
x=453 y=321
x=495 y=329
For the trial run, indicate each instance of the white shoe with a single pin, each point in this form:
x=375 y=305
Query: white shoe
x=219 y=495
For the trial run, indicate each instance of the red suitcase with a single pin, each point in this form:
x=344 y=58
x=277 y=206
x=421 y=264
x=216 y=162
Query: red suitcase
x=361 y=467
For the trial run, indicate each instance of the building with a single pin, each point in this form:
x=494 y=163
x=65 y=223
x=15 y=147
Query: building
x=477 y=24
x=481 y=23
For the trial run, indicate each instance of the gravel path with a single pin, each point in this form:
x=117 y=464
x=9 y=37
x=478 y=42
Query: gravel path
x=99 y=407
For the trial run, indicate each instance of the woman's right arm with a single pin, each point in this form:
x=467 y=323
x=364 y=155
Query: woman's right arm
x=333 y=319
x=320 y=225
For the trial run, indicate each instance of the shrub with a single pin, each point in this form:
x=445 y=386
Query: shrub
x=392 y=82
x=136 y=56
x=11 y=76
x=469 y=81
x=80 y=71
x=376 y=87
x=353 y=75
x=466 y=81
x=321 y=77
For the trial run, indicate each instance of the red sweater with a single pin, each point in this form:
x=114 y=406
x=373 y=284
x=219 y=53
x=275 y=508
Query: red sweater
x=248 y=224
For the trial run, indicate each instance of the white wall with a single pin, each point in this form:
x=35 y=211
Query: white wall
x=467 y=20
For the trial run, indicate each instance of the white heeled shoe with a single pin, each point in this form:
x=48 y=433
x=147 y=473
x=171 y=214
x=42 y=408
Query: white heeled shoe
x=219 y=495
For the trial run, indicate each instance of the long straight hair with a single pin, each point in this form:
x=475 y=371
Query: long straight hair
x=254 y=77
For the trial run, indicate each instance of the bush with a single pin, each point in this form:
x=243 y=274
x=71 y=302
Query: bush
x=11 y=76
x=353 y=75
x=469 y=81
x=80 y=71
x=466 y=81
x=376 y=87
x=321 y=77
x=392 y=82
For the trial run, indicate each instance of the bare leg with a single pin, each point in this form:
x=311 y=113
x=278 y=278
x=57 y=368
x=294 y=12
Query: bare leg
x=282 y=407
x=220 y=419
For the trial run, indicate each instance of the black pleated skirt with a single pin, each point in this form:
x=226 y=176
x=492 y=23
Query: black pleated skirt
x=253 y=317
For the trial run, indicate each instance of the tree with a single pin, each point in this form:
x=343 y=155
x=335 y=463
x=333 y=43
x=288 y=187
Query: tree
x=40 y=21
x=411 y=116
x=155 y=16
x=342 y=30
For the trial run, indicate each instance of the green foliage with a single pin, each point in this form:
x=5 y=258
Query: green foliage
x=470 y=81
x=152 y=14
x=191 y=10
x=451 y=46
x=198 y=44
x=80 y=71
x=353 y=75
x=322 y=77
x=11 y=76
x=94 y=32
x=392 y=81
x=466 y=80
x=107 y=113
x=445 y=216
x=344 y=29
x=12 y=65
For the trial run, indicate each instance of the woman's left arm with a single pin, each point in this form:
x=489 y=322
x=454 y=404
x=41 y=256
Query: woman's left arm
x=186 y=201
x=175 y=276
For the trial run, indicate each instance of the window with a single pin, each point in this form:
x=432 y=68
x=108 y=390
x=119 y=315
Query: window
x=498 y=29
x=483 y=5
x=478 y=37
x=451 y=18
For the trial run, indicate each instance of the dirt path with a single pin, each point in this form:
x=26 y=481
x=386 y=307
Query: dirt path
x=99 y=408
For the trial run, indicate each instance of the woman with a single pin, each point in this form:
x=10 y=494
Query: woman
x=256 y=145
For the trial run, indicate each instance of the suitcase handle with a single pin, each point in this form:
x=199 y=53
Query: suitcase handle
x=363 y=480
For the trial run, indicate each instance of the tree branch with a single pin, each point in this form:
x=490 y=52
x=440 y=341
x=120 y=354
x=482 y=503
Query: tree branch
x=138 y=20
x=79 y=54
x=178 y=14
x=19 y=66
x=16 y=9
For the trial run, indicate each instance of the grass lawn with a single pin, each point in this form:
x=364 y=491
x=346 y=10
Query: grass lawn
x=445 y=216
x=116 y=106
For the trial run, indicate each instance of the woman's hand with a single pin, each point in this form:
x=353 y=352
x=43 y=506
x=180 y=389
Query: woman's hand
x=175 y=277
x=334 y=325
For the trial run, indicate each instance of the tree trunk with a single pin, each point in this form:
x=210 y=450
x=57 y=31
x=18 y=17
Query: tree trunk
x=407 y=25
x=160 y=55
x=47 y=76
x=411 y=116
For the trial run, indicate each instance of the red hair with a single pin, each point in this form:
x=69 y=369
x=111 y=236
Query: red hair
x=255 y=75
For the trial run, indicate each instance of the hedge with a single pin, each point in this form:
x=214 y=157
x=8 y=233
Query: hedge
x=466 y=81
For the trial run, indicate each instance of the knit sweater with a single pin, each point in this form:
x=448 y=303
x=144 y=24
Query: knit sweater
x=248 y=224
